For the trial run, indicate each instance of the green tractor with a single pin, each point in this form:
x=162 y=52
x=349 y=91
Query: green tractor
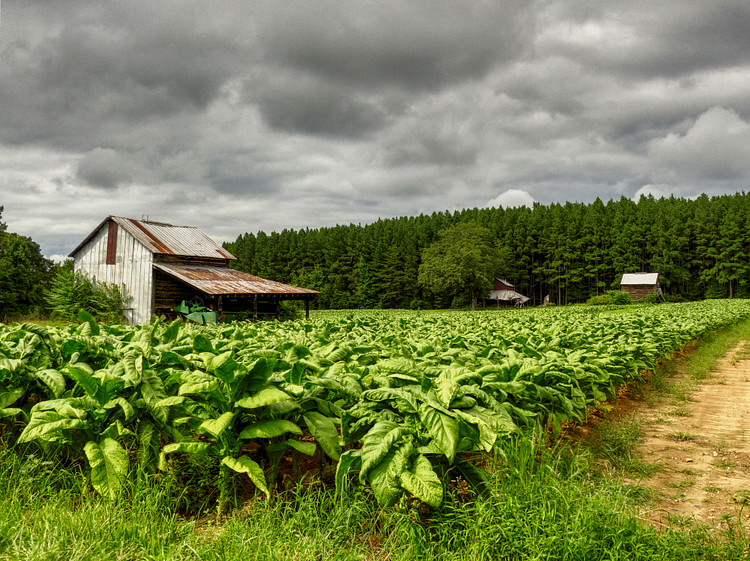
x=195 y=310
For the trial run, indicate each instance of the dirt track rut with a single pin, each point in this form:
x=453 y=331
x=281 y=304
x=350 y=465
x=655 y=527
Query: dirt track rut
x=703 y=447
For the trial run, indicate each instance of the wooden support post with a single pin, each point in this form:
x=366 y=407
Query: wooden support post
x=255 y=308
x=307 y=309
x=278 y=310
x=219 y=311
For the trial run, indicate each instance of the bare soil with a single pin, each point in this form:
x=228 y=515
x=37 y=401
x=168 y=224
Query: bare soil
x=701 y=443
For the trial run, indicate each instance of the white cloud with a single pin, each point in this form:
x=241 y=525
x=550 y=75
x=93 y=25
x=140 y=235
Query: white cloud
x=716 y=146
x=659 y=191
x=512 y=198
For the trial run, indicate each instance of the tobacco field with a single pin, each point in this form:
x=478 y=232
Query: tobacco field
x=391 y=400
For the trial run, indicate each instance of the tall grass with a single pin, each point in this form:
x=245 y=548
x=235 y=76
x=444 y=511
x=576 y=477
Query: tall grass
x=544 y=504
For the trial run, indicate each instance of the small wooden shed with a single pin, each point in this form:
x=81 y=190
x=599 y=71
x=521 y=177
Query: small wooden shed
x=503 y=291
x=158 y=265
x=639 y=285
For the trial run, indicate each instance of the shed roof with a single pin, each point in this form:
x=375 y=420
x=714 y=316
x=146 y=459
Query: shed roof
x=505 y=282
x=165 y=239
x=508 y=296
x=222 y=280
x=640 y=278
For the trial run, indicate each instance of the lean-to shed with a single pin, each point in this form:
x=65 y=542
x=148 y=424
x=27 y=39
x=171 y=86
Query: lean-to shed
x=503 y=291
x=158 y=265
x=639 y=285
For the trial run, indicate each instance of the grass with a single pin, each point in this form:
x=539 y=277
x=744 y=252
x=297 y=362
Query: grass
x=615 y=440
x=682 y=436
x=546 y=503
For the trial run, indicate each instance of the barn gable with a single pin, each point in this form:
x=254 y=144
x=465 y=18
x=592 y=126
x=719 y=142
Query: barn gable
x=157 y=265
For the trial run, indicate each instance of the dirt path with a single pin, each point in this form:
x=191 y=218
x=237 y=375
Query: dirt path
x=703 y=447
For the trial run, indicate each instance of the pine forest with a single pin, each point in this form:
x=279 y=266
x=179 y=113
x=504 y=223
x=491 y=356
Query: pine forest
x=566 y=252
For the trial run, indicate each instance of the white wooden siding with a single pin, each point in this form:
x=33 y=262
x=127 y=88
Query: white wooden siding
x=132 y=272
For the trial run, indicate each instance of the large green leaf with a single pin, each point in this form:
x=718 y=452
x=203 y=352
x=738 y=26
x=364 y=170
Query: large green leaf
x=378 y=443
x=217 y=426
x=9 y=398
x=152 y=390
x=132 y=363
x=325 y=433
x=198 y=383
x=47 y=425
x=422 y=482
x=269 y=429
x=446 y=386
x=244 y=464
x=109 y=466
x=266 y=396
x=148 y=446
x=406 y=400
x=306 y=448
x=10 y=364
x=82 y=374
x=185 y=447
x=84 y=316
x=349 y=462
x=127 y=408
x=202 y=344
x=9 y=412
x=53 y=379
x=442 y=428
x=384 y=479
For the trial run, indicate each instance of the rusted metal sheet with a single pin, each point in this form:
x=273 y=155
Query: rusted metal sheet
x=165 y=239
x=223 y=280
x=176 y=240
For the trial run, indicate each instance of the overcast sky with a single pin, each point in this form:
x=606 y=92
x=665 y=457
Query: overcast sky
x=244 y=115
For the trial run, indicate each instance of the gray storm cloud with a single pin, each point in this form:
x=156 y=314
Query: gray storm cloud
x=299 y=114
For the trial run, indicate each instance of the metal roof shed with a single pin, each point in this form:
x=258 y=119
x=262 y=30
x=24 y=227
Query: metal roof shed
x=503 y=291
x=639 y=285
x=157 y=265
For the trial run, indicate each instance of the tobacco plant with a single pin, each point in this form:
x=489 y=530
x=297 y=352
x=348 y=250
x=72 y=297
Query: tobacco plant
x=400 y=401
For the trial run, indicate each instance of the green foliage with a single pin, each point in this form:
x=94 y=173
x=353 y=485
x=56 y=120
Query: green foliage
x=611 y=298
x=71 y=293
x=541 y=505
x=24 y=273
x=461 y=261
x=601 y=300
x=620 y=297
x=565 y=251
x=398 y=399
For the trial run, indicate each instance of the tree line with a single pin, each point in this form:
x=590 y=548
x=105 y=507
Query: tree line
x=568 y=252
x=33 y=286
x=24 y=274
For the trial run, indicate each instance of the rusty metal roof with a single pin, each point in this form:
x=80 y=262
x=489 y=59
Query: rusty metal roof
x=223 y=280
x=162 y=238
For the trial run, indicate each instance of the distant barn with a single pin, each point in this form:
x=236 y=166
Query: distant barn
x=638 y=285
x=158 y=265
x=505 y=293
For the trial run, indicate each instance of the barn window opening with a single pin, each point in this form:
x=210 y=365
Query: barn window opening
x=112 y=243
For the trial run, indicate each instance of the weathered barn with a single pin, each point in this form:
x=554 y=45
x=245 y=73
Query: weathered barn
x=503 y=291
x=639 y=285
x=158 y=265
